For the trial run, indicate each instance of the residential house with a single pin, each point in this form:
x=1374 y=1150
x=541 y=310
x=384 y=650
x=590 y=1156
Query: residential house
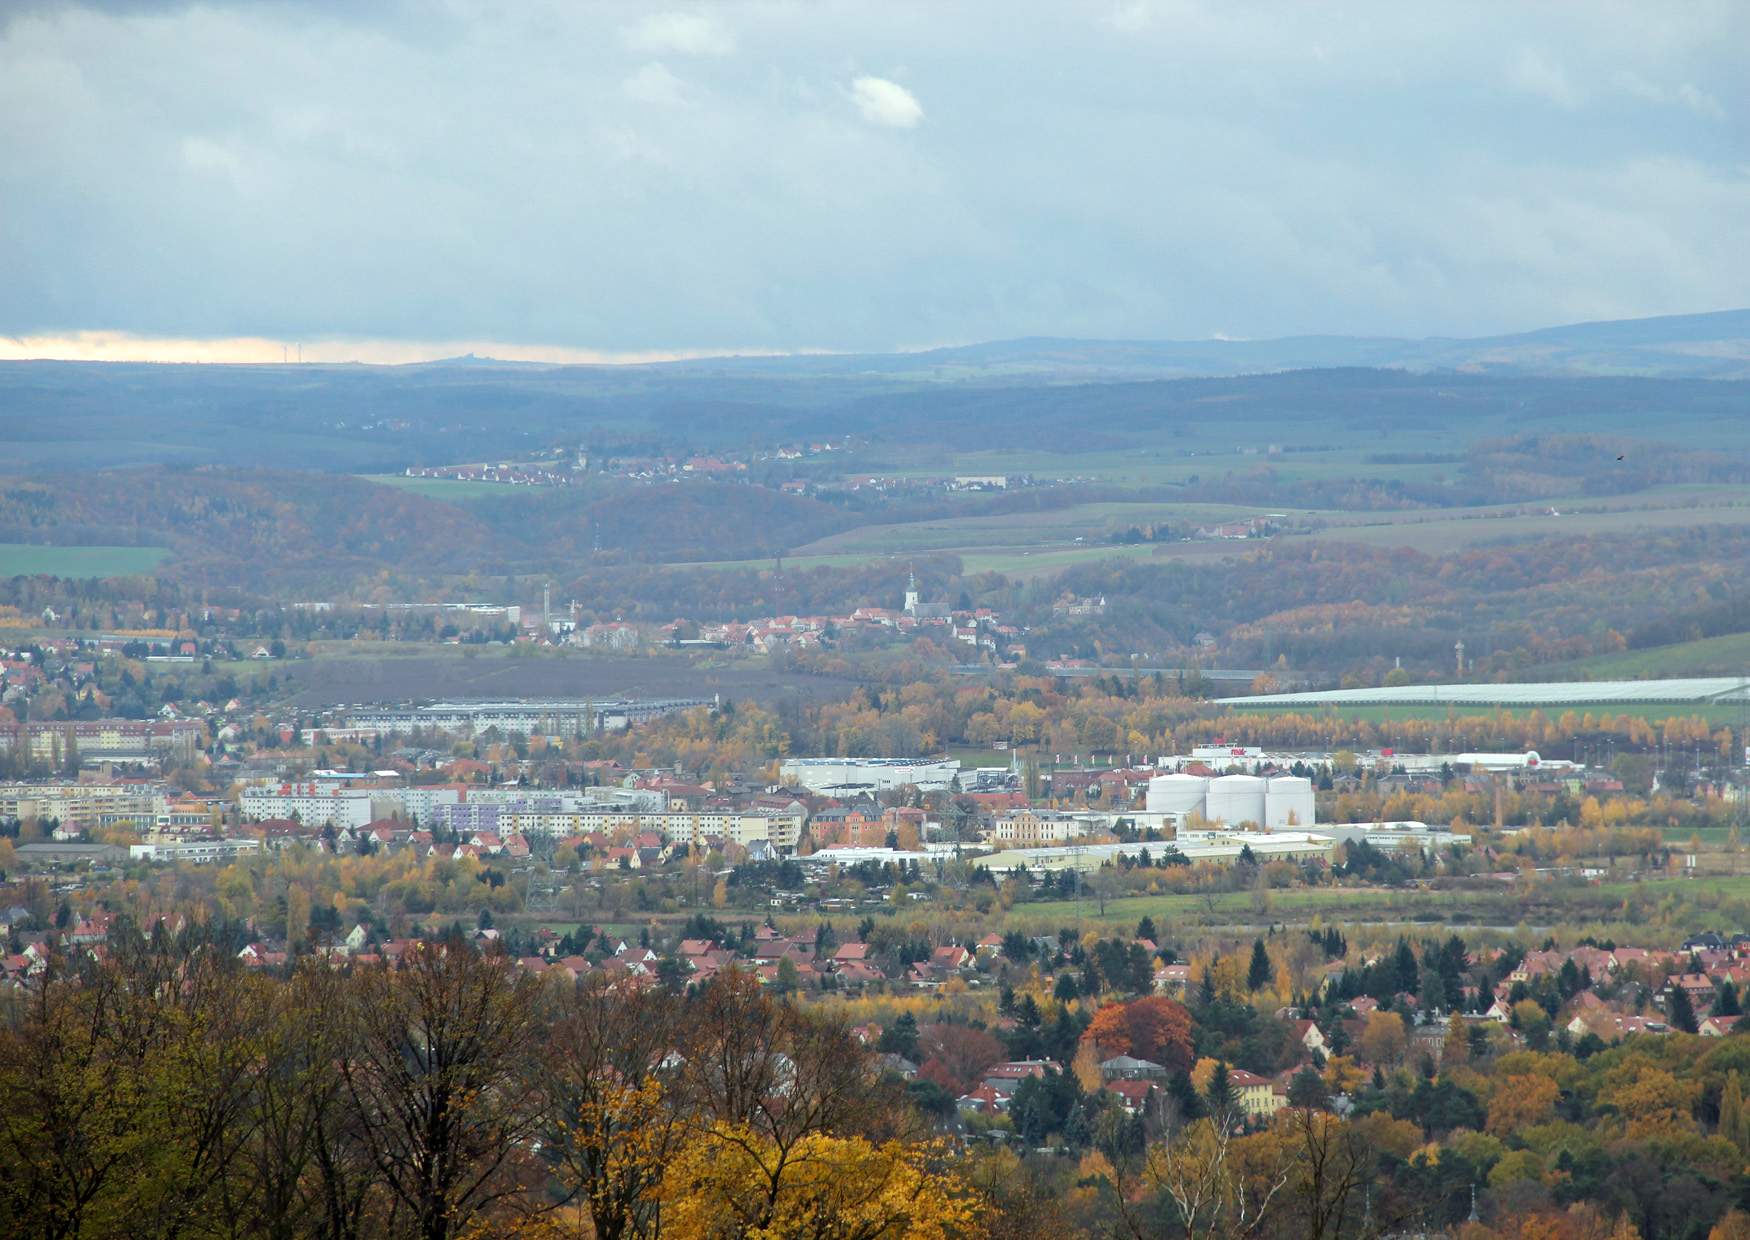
x=1307 y=1036
x=1259 y=1096
x=1130 y=1068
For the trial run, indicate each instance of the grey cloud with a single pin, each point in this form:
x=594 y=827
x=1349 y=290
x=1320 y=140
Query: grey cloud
x=623 y=176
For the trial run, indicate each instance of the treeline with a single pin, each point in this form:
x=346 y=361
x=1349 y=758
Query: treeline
x=163 y=1091
x=1516 y=606
x=1138 y=716
x=297 y=531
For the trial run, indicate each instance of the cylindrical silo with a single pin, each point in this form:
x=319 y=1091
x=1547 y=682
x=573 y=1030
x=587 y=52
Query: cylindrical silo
x=1288 y=802
x=1176 y=794
x=1234 y=799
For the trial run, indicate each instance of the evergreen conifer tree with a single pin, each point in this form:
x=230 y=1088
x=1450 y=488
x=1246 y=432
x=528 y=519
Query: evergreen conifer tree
x=1222 y=1101
x=1258 y=975
x=1680 y=1011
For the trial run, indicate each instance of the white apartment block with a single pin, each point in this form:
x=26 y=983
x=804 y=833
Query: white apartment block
x=193 y=852
x=314 y=805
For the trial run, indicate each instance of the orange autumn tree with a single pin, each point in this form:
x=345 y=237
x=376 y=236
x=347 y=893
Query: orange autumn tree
x=1154 y=1028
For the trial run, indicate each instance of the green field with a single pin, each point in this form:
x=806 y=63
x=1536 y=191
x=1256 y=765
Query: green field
x=1674 y=900
x=1040 y=543
x=1051 y=560
x=1188 y=459
x=1436 y=535
x=792 y=563
x=1231 y=907
x=1055 y=526
x=979 y=755
x=29 y=559
x=451 y=488
x=1012 y=562
x=1710 y=656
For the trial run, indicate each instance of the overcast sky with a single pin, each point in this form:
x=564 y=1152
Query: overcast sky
x=573 y=178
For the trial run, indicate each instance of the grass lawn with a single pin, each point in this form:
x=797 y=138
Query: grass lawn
x=975 y=755
x=28 y=559
x=1712 y=885
x=1713 y=837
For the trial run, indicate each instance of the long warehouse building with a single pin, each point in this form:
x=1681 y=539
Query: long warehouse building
x=1678 y=691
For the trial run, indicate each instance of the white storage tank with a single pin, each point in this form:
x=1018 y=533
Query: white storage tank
x=1234 y=799
x=1176 y=794
x=1288 y=802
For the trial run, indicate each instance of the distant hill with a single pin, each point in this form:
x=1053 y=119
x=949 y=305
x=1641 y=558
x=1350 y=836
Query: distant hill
x=1694 y=346
x=1644 y=377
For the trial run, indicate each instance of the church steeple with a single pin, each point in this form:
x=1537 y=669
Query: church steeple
x=912 y=602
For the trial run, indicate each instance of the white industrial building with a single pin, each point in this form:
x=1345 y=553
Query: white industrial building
x=564 y=718
x=1218 y=847
x=1396 y=836
x=1274 y=803
x=194 y=852
x=840 y=777
x=1248 y=759
x=1675 y=691
x=1430 y=763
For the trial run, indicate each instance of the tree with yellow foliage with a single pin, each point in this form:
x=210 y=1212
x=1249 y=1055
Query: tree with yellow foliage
x=1384 y=1039
x=1653 y=1103
x=1734 y=1224
x=1219 y=1184
x=730 y=1181
x=1086 y=1066
x=1342 y=1075
x=1732 y=1115
x=609 y=1123
x=1520 y=1101
x=1455 y=1051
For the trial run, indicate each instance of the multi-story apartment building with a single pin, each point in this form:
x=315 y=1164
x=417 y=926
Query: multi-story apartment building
x=1036 y=828
x=85 y=807
x=315 y=804
x=782 y=830
x=52 y=742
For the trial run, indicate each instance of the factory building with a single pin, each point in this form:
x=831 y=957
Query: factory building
x=1396 y=836
x=1274 y=803
x=565 y=719
x=840 y=777
x=1215 y=847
